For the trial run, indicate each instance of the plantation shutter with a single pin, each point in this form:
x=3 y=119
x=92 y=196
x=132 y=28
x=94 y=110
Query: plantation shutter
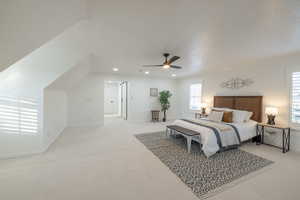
x=295 y=108
x=19 y=116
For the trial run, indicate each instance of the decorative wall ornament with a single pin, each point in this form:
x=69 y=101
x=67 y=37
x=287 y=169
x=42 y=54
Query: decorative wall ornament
x=236 y=83
x=154 y=92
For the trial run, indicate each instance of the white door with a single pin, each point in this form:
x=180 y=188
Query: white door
x=124 y=100
x=111 y=98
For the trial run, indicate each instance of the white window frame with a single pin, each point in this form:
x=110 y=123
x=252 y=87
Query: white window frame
x=289 y=82
x=190 y=96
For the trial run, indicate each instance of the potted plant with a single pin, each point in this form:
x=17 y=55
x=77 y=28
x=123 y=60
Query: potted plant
x=164 y=101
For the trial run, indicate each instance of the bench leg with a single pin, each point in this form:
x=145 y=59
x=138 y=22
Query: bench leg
x=189 y=143
x=169 y=132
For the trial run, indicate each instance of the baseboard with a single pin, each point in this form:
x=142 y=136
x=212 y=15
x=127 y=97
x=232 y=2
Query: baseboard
x=46 y=147
x=20 y=155
x=86 y=125
x=42 y=149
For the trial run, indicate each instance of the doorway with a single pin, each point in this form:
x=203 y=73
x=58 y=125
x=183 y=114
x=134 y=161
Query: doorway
x=115 y=100
x=124 y=100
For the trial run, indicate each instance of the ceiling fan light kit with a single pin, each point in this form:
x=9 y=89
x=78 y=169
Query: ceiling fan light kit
x=167 y=63
x=166 y=66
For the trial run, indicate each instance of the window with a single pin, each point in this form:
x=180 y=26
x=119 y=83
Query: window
x=295 y=98
x=195 y=96
x=18 y=116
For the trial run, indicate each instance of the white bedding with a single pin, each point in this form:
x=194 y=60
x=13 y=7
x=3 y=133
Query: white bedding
x=247 y=130
x=208 y=139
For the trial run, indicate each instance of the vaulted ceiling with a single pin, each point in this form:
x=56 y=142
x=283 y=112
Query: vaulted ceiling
x=207 y=34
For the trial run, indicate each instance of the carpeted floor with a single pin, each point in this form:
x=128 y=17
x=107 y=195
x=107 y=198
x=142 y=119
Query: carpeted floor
x=203 y=175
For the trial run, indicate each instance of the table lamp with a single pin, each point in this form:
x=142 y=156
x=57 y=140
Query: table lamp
x=271 y=112
x=203 y=108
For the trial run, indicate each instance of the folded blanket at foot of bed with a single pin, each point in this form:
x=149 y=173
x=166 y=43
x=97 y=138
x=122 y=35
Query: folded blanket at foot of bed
x=215 y=136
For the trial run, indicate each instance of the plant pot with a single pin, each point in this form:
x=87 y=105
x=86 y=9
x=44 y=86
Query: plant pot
x=165 y=117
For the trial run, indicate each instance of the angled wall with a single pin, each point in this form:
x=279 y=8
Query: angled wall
x=55 y=101
x=28 y=25
x=55 y=115
x=30 y=76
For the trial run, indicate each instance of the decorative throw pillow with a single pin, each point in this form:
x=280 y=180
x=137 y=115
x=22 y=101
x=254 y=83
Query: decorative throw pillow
x=215 y=116
x=227 y=115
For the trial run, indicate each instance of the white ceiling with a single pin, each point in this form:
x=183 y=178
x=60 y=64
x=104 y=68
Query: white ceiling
x=207 y=34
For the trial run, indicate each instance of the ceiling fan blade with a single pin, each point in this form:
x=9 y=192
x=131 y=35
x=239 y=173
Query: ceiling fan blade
x=153 y=65
x=175 y=67
x=173 y=59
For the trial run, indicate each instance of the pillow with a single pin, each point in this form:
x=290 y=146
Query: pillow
x=222 y=109
x=227 y=115
x=248 y=116
x=215 y=116
x=240 y=116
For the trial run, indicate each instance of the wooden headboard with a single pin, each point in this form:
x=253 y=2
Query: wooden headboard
x=249 y=103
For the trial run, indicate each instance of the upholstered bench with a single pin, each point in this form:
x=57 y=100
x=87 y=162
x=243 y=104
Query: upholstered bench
x=187 y=133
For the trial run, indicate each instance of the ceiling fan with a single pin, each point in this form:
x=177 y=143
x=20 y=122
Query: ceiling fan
x=168 y=62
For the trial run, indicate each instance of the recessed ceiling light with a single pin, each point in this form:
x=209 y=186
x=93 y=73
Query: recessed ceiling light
x=146 y=72
x=115 y=69
x=173 y=75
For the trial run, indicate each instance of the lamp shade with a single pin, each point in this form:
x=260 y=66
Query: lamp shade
x=271 y=111
x=203 y=105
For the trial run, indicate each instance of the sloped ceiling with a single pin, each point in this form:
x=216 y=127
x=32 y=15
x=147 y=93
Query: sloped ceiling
x=27 y=25
x=72 y=77
x=206 y=34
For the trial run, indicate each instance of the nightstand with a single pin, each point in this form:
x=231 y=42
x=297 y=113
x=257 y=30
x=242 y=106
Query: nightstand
x=286 y=135
x=199 y=115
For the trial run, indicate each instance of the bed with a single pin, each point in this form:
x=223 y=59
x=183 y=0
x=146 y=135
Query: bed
x=219 y=136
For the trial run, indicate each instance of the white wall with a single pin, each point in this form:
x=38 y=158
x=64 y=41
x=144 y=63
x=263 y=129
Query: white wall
x=139 y=101
x=72 y=77
x=55 y=115
x=19 y=145
x=86 y=100
x=271 y=80
x=32 y=74
x=267 y=82
x=55 y=107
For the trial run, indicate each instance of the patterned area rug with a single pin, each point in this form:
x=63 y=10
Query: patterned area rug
x=203 y=175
